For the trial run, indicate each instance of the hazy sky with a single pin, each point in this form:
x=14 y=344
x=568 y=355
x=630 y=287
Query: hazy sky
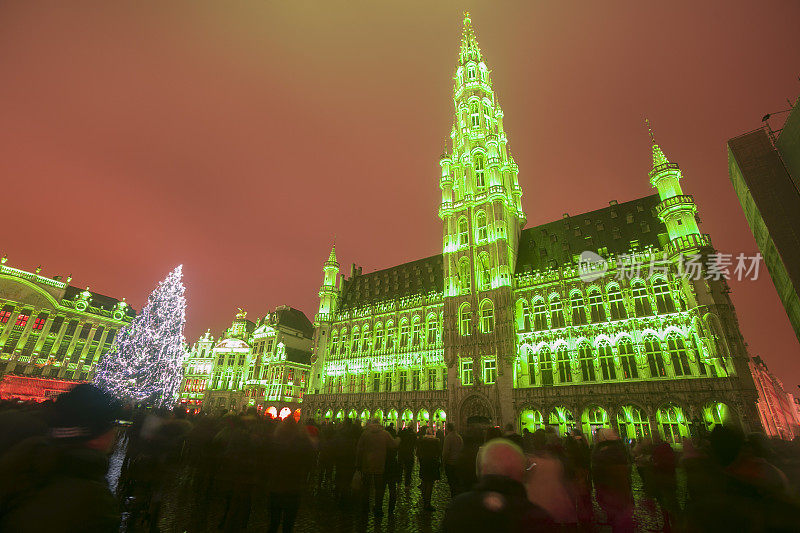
x=239 y=138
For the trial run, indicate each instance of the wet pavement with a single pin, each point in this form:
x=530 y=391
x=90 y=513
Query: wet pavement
x=320 y=511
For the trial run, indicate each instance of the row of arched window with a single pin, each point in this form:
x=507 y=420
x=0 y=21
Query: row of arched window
x=667 y=359
x=412 y=334
x=596 y=307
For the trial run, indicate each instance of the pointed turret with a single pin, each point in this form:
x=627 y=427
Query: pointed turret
x=328 y=293
x=469 y=42
x=676 y=210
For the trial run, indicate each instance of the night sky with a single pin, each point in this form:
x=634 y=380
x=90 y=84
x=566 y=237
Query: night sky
x=238 y=138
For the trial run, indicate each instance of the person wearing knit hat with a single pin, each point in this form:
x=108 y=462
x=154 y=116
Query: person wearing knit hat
x=57 y=482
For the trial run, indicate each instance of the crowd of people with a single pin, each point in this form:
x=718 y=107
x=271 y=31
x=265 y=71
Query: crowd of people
x=54 y=473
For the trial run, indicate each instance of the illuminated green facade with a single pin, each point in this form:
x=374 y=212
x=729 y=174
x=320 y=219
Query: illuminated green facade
x=504 y=326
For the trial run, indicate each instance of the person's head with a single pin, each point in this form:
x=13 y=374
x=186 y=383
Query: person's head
x=501 y=457
x=86 y=416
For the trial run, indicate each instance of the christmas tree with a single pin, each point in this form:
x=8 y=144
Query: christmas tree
x=144 y=366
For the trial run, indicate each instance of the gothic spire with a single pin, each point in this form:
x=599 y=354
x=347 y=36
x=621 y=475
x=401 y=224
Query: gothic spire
x=658 y=155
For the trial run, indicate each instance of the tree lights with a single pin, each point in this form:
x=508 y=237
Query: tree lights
x=144 y=367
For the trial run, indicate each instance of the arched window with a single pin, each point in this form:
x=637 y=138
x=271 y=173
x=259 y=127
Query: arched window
x=627 y=359
x=343 y=344
x=524 y=311
x=356 y=338
x=607 y=368
x=587 y=362
x=480 y=173
x=481 y=229
x=366 y=339
x=463 y=231
x=531 y=368
x=487 y=108
x=475 y=118
x=390 y=335
x=487 y=316
x=334 y=342
x=403 y=334
x=641 y=302
x=464 y=277
x=655 y=358
x=546 y=366
x=416 y=332
x=616 y=304
x=471 y=72
x=539 y=315
x=578 y=310
x=465 y=320
x=378 y=337
x=596 y=309
x=484 y=276
x=664 y=301
x=564 y=368
x=556 y=313
x=432 y=330
x=678 y=356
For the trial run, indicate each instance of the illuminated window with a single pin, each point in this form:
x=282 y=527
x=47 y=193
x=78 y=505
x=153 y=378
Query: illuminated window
x=487 y=109
x=464 y=277
x=489 y=371
x=466 y=372
x=481 y=229
x=627 y=359
x=390 y=335
x=678 y=356
x=539 y=315
x=403 y=334
x=655 y=358
x=387 y=382
x=403 y=380
x=432 y=379
x=586 y=362
x=334 y=342
x=471 y=72
x=524 y=316
x=465 y=320
x=432 y=331
x=463 y=232
x=38 y=324
x=578 y=310
x=564 y=367
x=22 y=319
x=415 y=379
x=416 y=332
x=484 y=273
x=378 y=338
x=475 y=118
x=607 y=368
x=616 y=304
x=546 y=366
x=5 y=314
x=641 y=302
x=596 y=309
x=487 y=316
x=480 y=173
x=366 y=339
x=556 y=313
x=355 y=341
x=376 y=382
x=664 y=301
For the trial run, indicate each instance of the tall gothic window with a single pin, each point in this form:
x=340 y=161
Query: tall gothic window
x=664 y=301
x=475 y=118
x=466 y=372
x=539 y=315
x=607 y=368
x=484 y=273
x=463 y=231
x=334 y=342
x=578 y=310
x=416 y=332
x=366 y=339
x=564 y=368
x=432 y=330
x=546 y=366
x=464 y=276
x=404 y=334
x=641 y=302
x=616 y=304
x=465 y=320
x=390 y=335
x=655 y=358
x=678 y=356
x=481 y=228
x=356 y=337
x=524 y=316
x=378 y=337
x=556 y=313
x=587 y=362
x=487 y=316
x=596 y=309
x=531 y=368
x=627 y=359
x=480 y=173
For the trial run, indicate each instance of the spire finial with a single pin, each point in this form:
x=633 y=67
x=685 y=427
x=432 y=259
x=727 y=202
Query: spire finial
x=650 y=130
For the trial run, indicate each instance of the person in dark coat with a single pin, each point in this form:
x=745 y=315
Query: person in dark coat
x=405 y=454
x=499 y=502
x=429 y=453
x=611 y=473
x=292 y=459
x=392 y=473
x=57 y=483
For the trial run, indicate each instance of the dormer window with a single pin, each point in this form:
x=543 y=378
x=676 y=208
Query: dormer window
x=471 y=72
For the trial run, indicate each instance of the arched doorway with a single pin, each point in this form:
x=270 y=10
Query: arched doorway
x=531 y=419
x=328 y=415
x=378 y=415
x=407 y=418
x=439 y=419
x=562 y=419
x=423 y=418
x=476 y=410
x=592 y=419
x=672 y=424
x=364 y=416
x=352 y=415
x=391 y=418
x=339 y=415
x=633 y=423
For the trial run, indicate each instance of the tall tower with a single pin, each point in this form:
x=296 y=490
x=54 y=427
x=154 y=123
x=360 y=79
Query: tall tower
x=482 y=217
x=676 y=210
x=328 y=297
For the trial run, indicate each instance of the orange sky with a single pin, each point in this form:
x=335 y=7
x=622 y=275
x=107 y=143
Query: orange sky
x=238 y=138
